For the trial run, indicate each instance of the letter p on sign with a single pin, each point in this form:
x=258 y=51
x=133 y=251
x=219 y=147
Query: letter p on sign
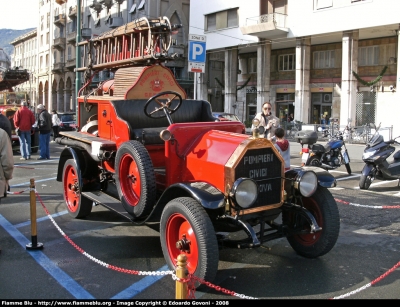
x=197 y=51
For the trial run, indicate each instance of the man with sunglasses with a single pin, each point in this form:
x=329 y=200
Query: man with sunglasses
x=269 y=121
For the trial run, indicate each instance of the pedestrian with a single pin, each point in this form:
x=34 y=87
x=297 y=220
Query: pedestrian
x=290 y=117
x=6 y=163
x=55 y=121
x=23 y=121
x=283 y=146
x=5 y=124
x=269 y=121
x=44 y=125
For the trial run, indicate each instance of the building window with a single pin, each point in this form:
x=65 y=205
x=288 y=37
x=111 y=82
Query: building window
x=69 y=53
x=47 y=38
x=141 y=5
x=287 y=62
x=41 y=40
x=251 y=65
x=222 y=20
x=323 y=4
x=368 y=56
x=324 y=59
x=48 y=20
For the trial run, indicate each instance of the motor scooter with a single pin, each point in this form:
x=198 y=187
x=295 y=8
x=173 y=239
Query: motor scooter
x=329 y=156
x=375 y=156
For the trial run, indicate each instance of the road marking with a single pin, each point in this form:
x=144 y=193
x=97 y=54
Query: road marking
x=139 y=286
x=59 y=275
x=28 y=183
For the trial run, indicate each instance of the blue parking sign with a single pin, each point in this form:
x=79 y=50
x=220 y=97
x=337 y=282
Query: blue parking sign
x=197 y=51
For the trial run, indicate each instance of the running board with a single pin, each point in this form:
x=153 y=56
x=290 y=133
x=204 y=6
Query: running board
x=109 y=202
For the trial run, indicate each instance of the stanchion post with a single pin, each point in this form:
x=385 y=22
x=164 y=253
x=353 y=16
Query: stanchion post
x=181 y=272
x=34 y=244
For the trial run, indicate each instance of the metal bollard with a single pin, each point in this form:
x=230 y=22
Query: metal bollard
x=34 y=244
x=181 y=272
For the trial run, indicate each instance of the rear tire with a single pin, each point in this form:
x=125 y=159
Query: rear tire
x=135 y=179
x=323 y=207
x=185 y=218
x=78 y=206
x=313 y=161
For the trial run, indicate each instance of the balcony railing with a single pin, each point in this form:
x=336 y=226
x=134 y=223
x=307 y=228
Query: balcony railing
x=70 y=64
x=71 y=36
x=59 y=43
x=278 y=19
x=59 y=19
x=72 y=11
x=58 y=67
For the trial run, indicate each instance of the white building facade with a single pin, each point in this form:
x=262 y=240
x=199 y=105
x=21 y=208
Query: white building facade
x=57 y=35
x=312 y=58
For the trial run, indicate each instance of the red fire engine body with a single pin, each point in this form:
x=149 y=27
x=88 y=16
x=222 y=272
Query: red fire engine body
x=147 y=152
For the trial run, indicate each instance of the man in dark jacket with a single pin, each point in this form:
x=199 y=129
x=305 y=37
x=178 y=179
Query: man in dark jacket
x=44 y=125
x=5 y=124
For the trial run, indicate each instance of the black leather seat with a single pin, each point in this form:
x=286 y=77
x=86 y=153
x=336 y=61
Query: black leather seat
x=147 y=130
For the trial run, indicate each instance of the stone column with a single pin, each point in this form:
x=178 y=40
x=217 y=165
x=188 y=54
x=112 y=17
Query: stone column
x=54 y=105
x=263 y=75
x=231 y=71
x=349 y=82
x=302 y=87
x=60 y=100
x=73 y=99
x=202 y=87
x=67 y=100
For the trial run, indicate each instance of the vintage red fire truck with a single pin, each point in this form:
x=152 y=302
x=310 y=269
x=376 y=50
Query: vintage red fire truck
x=147 y=152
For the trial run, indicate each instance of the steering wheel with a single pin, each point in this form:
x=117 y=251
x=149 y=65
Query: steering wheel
x=165 y=107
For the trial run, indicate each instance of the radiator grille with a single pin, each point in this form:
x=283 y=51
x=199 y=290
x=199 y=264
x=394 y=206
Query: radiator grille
x=265 y=168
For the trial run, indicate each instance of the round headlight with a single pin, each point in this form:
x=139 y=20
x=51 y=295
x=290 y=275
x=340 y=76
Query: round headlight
x=244 y=192
x=307 y=183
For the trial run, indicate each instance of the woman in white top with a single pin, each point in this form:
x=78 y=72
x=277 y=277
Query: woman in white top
x=55 y=123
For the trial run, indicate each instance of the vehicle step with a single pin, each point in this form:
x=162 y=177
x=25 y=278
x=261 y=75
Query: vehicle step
x=109 y=202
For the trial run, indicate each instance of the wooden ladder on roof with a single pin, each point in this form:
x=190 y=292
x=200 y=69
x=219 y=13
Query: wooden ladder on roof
x=140 y=42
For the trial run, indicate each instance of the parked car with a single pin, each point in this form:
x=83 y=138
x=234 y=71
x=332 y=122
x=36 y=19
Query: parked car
x=68 y=121
x=222 y=116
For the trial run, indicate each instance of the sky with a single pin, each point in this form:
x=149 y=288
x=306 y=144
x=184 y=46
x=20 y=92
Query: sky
x=19 y=14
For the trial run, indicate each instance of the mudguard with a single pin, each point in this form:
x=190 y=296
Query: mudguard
x=325 y=179
x=367 y=169
x=71 y=153
x=208 y=196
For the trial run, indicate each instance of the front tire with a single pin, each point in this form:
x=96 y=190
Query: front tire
x=323 y=207
x=135 y=179
x=78 y=206
x=184 y=218
x=348 y=168
x=365 y=181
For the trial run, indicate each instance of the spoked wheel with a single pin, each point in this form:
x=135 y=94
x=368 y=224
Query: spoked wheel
x=135 y=179
x=313 y=161
x=78 y=206
x=156 y=108
x=365 y=182
x=185 y=228
x=323 y=207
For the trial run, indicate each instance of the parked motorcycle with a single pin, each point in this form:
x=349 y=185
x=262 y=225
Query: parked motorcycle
x=329 y=156
x=375 y=156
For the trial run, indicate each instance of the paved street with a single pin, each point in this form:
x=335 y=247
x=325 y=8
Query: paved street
x=368 y=247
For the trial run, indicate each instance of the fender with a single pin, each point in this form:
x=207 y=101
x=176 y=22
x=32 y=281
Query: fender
x=71 y=153
x=208 y=196
x=325 y=179
x=367 y=169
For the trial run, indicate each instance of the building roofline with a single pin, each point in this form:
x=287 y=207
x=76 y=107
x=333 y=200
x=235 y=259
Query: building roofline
x=24 y=37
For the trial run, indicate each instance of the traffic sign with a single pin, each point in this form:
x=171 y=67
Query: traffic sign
x=197 y=53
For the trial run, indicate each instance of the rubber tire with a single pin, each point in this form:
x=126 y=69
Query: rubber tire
x=78 y=206
x=181 y=216
x=348 y=168
x=314 y=161
x=323 y=207
x=365 y=182
x=138 y=197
